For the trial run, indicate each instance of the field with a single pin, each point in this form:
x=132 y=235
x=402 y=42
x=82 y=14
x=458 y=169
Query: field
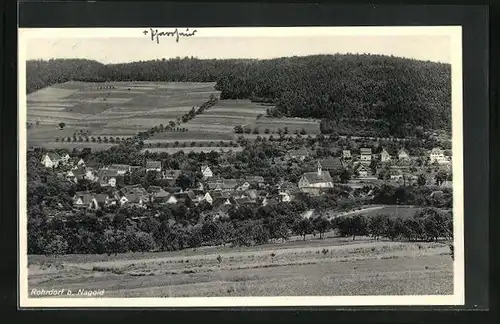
x=131 y=107
x=123 y=110
x=294 y=268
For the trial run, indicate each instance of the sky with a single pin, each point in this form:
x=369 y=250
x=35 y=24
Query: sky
x=127 y=49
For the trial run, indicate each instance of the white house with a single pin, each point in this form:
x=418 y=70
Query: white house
x=385 y=156
x=366 y=155
x=206 y=171
x=51 y=160
x=403 y=155
x=172 y=200
x=437 y=155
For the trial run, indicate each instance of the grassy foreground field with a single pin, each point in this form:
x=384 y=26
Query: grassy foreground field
x=332 y=266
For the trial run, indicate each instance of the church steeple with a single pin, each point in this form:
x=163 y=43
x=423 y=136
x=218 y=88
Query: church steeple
x=319 y=169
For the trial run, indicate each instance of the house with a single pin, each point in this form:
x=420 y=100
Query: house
x=229 y=184
x=171 y=175
x=65 y=158
x=153 y=166
x=396 y=175
x=363 y=171
x=107 y=177
x=90 y=174
x=299 y=154
x=208 y=198
x=153 y=189
x=215 y=185
x=160 y=196
x=85 y=199
x=255 y=181
x=206 y=171
x=51 y=160
x=103 y=200
x=366 y=155
x=312 y=181
x=243 y=186
x=137 y=198
x=77 y=163
x=437 y=155
x=385 y=156
x=333 y=165
x=403 y=155
x=75 y=175
x=185 y=197
x=346 y=154
x=244 y=201
x=121 y=169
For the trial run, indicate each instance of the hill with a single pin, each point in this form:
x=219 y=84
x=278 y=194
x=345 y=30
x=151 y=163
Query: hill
x=371 y=95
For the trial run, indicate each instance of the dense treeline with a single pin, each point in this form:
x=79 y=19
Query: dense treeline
x=392 y=94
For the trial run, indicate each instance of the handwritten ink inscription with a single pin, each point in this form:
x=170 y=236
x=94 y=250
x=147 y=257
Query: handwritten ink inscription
x=155 y=35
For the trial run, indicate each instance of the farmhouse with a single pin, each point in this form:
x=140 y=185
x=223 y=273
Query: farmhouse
x=366 y=155
x=51 y=160
x=153 y=166
x=333 y=165
x=206 y=171
x=311 y=182
x=385 y=156
x=403 y=155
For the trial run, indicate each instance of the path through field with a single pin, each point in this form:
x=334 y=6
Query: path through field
x=354 y=268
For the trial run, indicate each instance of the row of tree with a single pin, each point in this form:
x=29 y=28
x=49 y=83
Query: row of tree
x=127 y=232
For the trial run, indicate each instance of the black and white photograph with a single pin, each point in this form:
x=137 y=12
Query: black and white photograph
x=241 y=166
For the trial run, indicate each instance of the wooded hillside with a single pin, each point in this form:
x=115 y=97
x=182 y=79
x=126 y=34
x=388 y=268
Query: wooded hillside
x=393 y=96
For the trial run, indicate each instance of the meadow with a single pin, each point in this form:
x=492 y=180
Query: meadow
x=127 y=108
x=331 y=266
x=124 y=109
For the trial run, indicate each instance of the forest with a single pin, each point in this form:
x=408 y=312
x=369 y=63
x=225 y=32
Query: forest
x=379 y=95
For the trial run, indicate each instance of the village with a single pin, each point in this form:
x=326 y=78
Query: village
x=357 y=170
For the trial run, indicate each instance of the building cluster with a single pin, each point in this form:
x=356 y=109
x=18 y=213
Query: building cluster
x=401 y=168
x=251 y=191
